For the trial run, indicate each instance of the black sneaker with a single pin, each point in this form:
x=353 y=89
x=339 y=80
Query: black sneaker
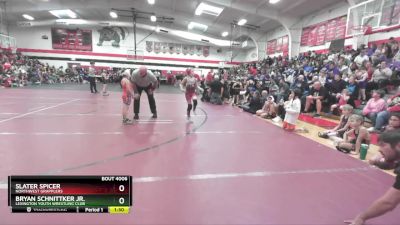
x=154 y=116
x=316 y=115
x=136 y=117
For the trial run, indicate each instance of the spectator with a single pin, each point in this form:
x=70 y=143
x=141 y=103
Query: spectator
x=335 y=87
x=254 y=104
x=317 y=95
x=380 y=77
x=216 y=90
x=390 y=148
x=361 y=58
x=336 y=134
x=284 y=90
x=356 y=136
x=394 y=123
x=375 y=105
x=269 y=109
x=292 y=108
x=361 y=79
x=343 y=99
x=383 y=116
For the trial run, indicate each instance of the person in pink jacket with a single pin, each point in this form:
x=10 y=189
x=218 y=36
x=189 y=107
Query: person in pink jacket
x=375 y=105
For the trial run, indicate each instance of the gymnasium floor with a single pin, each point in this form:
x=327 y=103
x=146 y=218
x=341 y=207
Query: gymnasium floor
x=227 y=167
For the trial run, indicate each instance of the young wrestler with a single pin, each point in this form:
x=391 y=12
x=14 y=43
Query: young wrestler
x=356 y=136
x=337 y=133
x=189 y=86
x=292 y=108
x=127 y=92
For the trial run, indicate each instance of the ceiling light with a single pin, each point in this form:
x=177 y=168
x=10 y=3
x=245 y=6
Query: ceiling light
x=113 y=15
x=208 y=9
x=151 y=2
x=28 y=17
x=197 y=26
x=224 y=34
x=242 y=22
x=274 y=1
x=153 y=18
x=64 y=13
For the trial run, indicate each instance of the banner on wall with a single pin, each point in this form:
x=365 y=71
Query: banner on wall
x=279 y=44
x=164 y=47
x=206 y=51
x=320 y=39
x=326 y=31
x=191 y=49
x=199 y=50
x=285 y=44
x=185 y=49
x=157 y=47
x=178 y=48
x=71 y=39
x=271 y=46
x=171 y=48
x=149 y=46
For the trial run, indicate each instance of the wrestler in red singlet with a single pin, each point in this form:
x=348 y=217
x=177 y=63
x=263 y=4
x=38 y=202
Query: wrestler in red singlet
x=189 y=86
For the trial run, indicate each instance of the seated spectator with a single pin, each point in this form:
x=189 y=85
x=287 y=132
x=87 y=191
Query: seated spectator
x=394 y=122
x=356 y=136
x=352 y=87
x=343 y=99
x=380 y=77
x=382 y=117
x=336 y=134
x=283 y=92
x=216 y=90
x=387 y=52
x=375 y=105
x=361 y=58
x=254 y=103
x=292 y=108
x=269 y=109
x=377 y=56
x=301 y=84
x=323 y=76
x=332 y=68
x=335 y=87
x=264 y=96
x=317 y=95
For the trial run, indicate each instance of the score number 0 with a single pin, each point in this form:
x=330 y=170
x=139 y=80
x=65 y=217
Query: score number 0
x=121 y=200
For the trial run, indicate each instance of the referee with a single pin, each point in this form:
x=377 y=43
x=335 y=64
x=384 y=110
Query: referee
x=144 y=80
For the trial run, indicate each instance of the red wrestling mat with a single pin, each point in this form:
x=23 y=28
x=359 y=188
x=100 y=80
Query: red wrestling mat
x=227 y=167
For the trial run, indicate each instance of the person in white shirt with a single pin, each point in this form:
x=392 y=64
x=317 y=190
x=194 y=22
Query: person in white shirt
x=361 y=58
x=292 y=108
x=144 y=80
x=380 y=77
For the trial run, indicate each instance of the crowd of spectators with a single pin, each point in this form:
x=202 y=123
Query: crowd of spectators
x=17 y=70
x=359 y=85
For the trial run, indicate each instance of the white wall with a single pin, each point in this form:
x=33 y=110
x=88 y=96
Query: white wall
x=31 y=38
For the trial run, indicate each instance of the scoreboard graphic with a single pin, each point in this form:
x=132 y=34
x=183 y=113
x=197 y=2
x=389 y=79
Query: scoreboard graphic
x=70 y=194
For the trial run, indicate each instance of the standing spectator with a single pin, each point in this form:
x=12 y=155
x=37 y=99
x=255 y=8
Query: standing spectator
x=361 y=79
x=216 y=90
